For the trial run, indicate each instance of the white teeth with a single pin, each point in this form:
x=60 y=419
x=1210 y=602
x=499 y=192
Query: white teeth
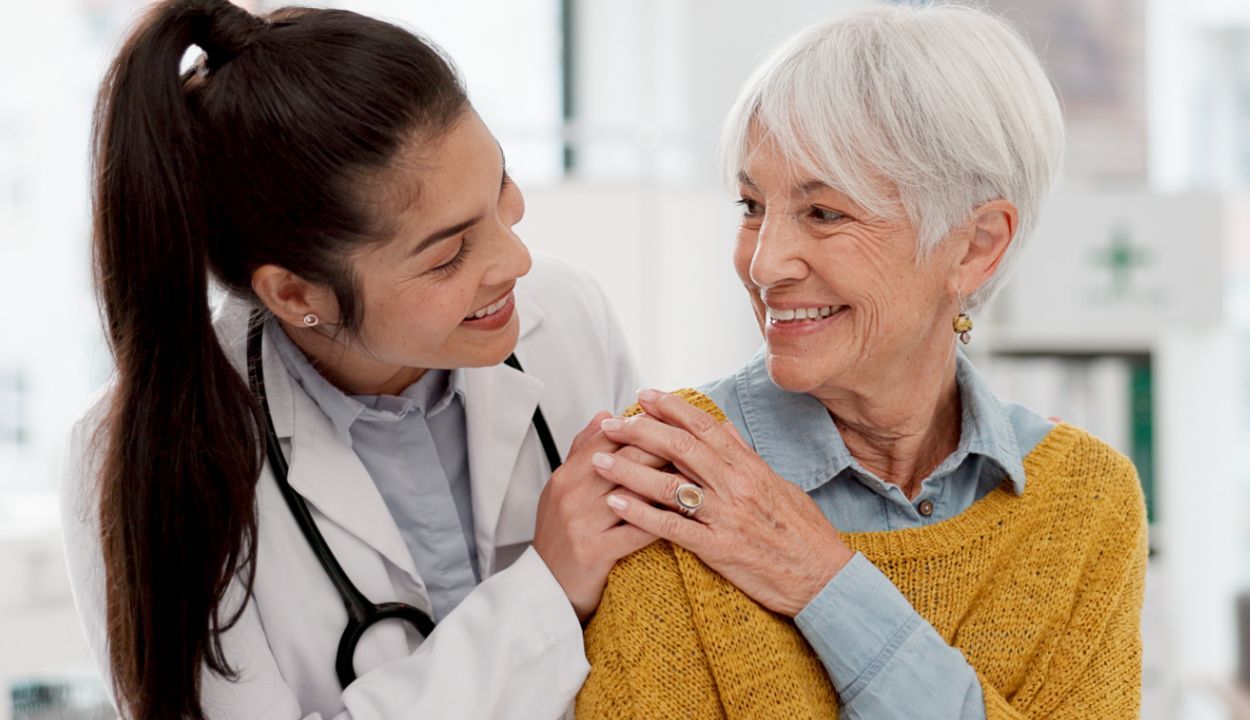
x=490 y=309
x=788 y=315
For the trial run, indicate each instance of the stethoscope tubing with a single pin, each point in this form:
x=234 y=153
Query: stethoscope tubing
x=362 y=614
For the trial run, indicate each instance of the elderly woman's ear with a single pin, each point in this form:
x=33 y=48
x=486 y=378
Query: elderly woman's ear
x=988 y=235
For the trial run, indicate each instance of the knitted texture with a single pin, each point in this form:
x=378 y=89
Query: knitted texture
x=1041 y=592
x=692 y=397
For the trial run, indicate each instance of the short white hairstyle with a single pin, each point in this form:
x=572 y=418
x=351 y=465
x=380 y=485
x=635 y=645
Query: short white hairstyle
x=946 y=102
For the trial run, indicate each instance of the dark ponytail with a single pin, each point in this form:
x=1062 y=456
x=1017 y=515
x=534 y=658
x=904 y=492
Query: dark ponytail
x=257 y=155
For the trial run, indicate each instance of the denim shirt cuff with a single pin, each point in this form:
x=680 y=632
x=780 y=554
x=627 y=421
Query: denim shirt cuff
x=856 y=623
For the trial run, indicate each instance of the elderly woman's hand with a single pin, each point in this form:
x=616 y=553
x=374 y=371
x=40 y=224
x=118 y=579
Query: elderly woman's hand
x=757 y=529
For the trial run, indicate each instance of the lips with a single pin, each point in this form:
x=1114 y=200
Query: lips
x=801 y=314
x=490 y=309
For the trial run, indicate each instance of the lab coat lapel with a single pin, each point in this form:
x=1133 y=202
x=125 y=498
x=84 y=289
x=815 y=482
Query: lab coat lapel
x=325 y=470
x=499 y=412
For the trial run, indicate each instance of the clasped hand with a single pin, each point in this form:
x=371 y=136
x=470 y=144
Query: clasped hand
x=576 y=534
x=757 y=529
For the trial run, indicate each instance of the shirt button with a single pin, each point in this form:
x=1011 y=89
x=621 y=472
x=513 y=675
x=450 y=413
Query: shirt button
x=925 y=507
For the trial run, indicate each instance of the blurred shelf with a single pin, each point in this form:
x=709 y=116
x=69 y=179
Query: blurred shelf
x=1081 y=341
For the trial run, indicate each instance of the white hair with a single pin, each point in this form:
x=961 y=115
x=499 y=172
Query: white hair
x=945 y=102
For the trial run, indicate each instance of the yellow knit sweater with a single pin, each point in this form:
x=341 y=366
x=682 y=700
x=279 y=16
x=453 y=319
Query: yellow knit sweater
x=1041 y=592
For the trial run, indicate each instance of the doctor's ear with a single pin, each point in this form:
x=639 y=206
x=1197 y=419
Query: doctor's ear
x=292 y=298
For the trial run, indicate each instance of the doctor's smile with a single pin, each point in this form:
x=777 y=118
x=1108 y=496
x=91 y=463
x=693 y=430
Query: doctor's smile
x=493 y=316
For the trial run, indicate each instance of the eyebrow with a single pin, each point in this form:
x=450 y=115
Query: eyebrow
x=806 y=188
x=459 y=227
x=812 y=186
x=445 y=233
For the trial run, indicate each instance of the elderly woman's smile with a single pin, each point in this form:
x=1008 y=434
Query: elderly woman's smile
x=801 y=318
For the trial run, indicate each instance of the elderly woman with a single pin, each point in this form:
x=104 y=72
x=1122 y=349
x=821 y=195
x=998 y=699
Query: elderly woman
x=942 y=553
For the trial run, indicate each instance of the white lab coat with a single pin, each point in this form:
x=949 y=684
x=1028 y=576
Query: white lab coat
x=513 y=647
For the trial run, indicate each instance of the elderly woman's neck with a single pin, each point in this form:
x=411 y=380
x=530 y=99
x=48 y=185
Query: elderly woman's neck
x=903 y=427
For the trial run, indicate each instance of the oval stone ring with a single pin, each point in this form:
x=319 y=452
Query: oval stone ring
x=689 y=498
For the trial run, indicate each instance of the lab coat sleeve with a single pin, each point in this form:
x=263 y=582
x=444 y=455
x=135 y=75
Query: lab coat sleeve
x=512 y=649
x=80 y=532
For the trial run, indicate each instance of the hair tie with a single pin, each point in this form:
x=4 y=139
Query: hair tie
x=224 y=31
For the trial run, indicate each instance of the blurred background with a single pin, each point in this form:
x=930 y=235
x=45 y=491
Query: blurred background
x=1129 y=314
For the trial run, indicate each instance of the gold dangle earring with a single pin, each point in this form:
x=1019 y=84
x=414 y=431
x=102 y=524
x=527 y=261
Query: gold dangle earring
x=963 y=323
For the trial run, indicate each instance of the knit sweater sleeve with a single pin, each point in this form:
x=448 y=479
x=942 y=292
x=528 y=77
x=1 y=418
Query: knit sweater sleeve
x=672 y=638
x=884 y=659
x=1091 y=667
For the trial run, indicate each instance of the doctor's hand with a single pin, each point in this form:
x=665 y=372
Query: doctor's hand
x=577 y=534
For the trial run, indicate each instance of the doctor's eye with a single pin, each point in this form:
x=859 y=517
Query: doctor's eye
x=455 y=262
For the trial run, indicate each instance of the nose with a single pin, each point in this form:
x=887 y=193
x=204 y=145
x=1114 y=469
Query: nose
x=777 y=257
x=511 y=259
x=521 y=261
x=514 y=256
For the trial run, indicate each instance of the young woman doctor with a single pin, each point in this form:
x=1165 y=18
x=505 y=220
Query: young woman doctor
x=234 y=527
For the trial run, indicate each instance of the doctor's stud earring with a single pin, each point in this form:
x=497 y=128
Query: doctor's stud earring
x=963 y=323
x=311 y=320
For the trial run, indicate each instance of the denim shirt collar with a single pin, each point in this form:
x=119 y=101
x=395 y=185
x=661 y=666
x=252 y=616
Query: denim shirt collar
x=428 y=396
x=794 y=433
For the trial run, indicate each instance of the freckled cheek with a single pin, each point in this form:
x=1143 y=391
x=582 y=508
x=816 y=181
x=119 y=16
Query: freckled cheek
x=424 y=318
x=443 y=315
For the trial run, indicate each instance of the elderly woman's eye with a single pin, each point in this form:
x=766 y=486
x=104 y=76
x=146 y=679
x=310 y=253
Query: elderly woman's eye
x=750 y=208
x=823 y=215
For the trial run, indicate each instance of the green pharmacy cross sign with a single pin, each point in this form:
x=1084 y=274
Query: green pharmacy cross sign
x=1122 y=257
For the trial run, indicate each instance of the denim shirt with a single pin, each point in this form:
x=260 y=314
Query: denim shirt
x=414 y=447
x=884 y=659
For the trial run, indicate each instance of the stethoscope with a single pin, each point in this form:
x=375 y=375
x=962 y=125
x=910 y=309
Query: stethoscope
x=361 y=613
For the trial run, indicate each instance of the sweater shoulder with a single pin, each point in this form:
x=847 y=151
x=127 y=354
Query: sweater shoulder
x=1076 y=465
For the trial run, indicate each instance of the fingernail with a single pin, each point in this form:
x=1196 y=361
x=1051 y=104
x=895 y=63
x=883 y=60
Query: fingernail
x=603 y=461
x=612 y=423
x=617 y=502
x=648 y=395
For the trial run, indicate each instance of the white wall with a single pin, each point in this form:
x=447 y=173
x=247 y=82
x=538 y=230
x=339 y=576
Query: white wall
x=656 y=77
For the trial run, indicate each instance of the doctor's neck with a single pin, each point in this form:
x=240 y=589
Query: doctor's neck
x=348 y=365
